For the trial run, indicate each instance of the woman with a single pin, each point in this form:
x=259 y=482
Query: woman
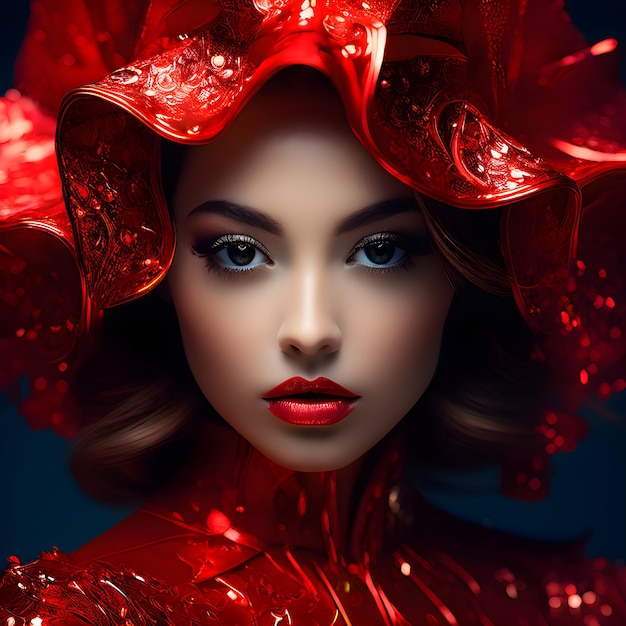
x=332 y=319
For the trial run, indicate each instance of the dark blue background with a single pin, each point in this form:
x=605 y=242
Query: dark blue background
x=40 y=505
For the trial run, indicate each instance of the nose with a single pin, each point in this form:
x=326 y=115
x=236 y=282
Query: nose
x=309 y=326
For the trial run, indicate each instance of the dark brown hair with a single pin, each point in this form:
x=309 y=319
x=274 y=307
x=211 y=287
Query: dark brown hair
x=141 y=405
x=483 y=402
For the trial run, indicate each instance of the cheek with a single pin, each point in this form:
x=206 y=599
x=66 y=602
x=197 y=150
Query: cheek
x=202 y=337
x=403 y=330
x=396 y=344
x=424 y=329
x=221 y=332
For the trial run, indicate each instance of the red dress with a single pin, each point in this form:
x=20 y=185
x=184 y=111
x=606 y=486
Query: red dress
x=244 y=542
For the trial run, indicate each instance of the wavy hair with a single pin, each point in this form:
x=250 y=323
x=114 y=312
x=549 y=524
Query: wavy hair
x=141 y=406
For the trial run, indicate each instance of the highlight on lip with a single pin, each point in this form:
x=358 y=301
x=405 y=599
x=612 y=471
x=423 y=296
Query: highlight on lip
x=310 y=412
x=319 y=402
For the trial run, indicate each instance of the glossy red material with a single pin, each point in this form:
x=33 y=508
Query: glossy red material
x=237 y=547
x=407 y=95
x=309 y=412
x=478 y=103
x=297 y=385
x=301 y=402
x=44 y=307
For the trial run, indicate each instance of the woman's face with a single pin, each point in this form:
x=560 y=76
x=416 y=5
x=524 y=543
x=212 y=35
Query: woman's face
x=300 y=259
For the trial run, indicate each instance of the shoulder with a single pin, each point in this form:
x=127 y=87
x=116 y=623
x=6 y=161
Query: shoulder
x=54 y=589
x=502 y=576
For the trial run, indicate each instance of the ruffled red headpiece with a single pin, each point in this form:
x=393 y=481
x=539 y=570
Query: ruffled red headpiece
x=476 y=103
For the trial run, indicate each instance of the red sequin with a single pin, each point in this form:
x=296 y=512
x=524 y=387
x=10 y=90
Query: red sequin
x=210 y=563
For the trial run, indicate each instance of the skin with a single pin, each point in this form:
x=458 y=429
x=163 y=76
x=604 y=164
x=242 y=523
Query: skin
x=311 y=305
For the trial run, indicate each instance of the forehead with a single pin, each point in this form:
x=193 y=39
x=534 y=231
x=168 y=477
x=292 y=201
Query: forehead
x=291 y=143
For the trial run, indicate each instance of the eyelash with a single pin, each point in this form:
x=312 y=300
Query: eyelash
x=412 y=247
x=208 y=250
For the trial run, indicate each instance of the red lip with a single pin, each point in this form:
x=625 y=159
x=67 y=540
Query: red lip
x=298 y=385
x=328 y=402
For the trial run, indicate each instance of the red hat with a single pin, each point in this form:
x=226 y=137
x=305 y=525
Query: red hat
x=460 y=99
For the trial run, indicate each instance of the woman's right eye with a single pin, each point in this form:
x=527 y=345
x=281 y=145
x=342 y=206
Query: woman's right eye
x=232 y=253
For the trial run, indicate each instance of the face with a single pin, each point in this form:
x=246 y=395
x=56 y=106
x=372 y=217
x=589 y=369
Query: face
x=311 y=306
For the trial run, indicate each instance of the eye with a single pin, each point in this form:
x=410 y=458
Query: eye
x=232 y=253
x=240 y=255
x=388 y=251
x=379 y=254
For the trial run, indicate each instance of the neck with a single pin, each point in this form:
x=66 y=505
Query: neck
x=333 y=496
x=278 y=506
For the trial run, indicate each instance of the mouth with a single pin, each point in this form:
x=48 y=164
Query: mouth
x=319 y=402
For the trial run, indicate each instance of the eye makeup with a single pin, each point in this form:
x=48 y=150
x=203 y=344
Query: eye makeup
x=388 y=251
x=237 y=254
x=232 y=253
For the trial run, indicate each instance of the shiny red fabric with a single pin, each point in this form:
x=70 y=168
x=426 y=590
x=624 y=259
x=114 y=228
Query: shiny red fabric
x=407 y=95
x=42 y=312
x=239 y=543
x=427 y=87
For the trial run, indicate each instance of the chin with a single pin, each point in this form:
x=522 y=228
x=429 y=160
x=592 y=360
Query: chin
x=314 y=466
x=317 y=458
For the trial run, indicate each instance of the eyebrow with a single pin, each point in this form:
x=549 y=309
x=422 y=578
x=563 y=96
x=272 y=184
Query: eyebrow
x=239 y=213
x=257 y=219
x=376 y=212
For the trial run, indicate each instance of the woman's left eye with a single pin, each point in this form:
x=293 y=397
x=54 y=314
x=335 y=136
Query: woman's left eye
x=387 y=251
x=379 y=254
